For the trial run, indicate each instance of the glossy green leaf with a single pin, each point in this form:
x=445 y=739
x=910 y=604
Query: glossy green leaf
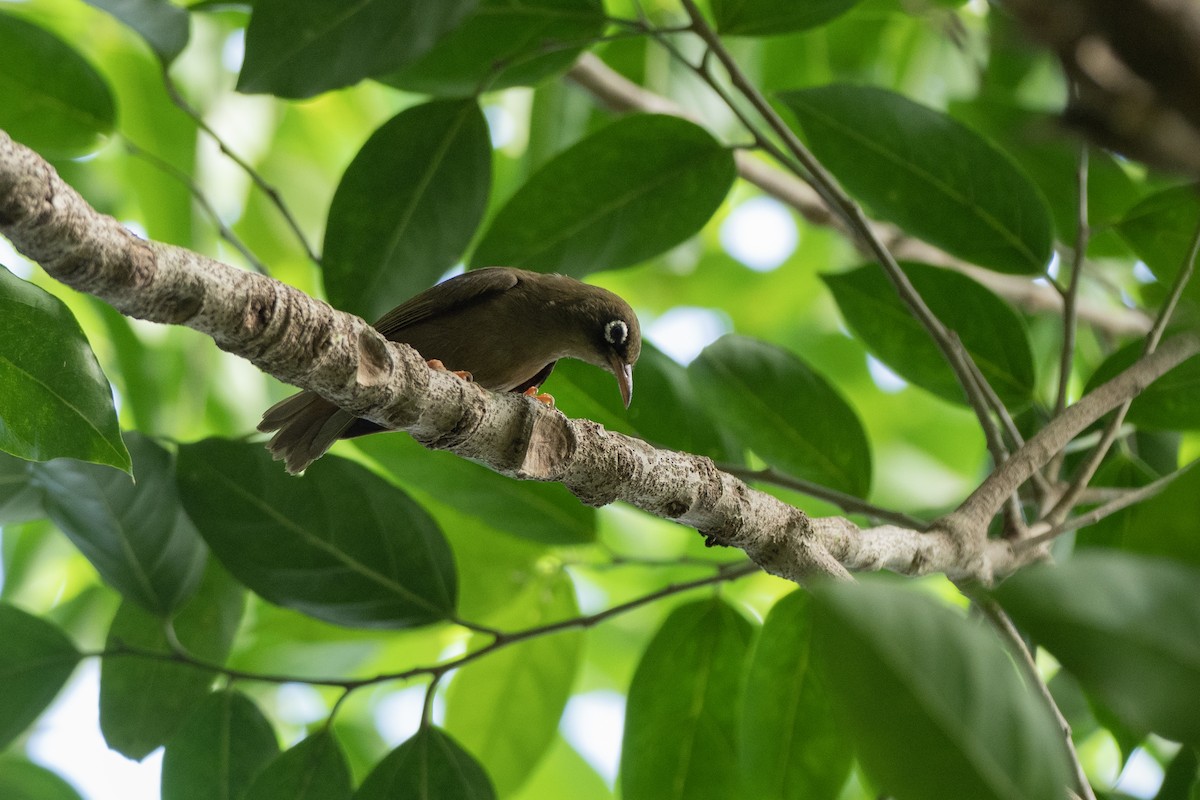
x=505 y=708
x=929 y=174
x=1125 y=626
x=784 y=411
x=1160 y=229
x=219 y=749
x=791 y=747
x=299 y=48
x=144 y=701
x=628 y=192
x=56 y=402
x=314 y=769
x=407 y=206
x=505 y=43
x=163 y=25
x=24 y=780
x=429 y=766
x=133 y=530
x=339 y=543
x=1170 y=403
x=51 y=99
x=35 y=662
x=539 y=512
x=990 y=330
x=20 y=498
x=775 y=17
x=932 y=701
x=681 y=716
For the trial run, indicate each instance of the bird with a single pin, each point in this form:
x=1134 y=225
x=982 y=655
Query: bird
x=502 y=327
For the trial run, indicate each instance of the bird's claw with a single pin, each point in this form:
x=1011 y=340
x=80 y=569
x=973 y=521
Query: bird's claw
x=532 y=391
x=436 y=364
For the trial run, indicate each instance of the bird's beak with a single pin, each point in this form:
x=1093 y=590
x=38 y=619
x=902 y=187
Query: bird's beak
x=624 y=375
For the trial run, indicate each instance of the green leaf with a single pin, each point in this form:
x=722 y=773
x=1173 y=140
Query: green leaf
x=56 y=402
x=929 y=174
x=538 y=512
x=24 y=780
x=51 y=99
x=681 y=717
x=784 y=411
x=35 y=662
x=407 y=207
x=299 y=48
x=932 y=701
x=505 y=708
x=339 y=543
x=133 y=530
x=144 y=701
x=634 y=189
x=164 y=26
x=1162 y=525
x=991 y=331
x=314 y=769
x=775 y=17
x=504 y=43
x=429 y=766
x=1170 y=403
x=1125 y=627
x=791 y=748
x=219 y=749
x=20 y=499
x=1160 y=229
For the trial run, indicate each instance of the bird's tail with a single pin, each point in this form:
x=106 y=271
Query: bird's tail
x=305 y=425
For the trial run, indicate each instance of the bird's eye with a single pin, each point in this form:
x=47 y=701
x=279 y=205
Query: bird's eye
x=616 y=332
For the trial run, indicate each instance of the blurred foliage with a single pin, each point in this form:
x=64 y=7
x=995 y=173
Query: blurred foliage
x=437 y=134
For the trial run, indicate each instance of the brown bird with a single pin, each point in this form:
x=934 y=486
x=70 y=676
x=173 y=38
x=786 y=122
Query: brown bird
x=505 y=327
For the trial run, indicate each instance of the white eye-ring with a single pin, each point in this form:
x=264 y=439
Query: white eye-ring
x=616 y=332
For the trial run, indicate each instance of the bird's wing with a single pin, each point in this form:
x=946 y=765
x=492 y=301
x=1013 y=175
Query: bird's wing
x=463 y=290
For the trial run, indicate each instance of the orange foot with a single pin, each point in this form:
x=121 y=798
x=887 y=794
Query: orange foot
x=532 y=391
x=440 y=367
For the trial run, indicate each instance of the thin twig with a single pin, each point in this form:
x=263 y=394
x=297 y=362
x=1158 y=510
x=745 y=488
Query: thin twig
x=266 y=188
x=841 y=203
x=183 y=178
x=1071 y=295
x=1085 y=474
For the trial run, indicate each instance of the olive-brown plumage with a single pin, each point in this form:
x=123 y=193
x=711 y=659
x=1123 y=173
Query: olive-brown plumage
x=507 y=327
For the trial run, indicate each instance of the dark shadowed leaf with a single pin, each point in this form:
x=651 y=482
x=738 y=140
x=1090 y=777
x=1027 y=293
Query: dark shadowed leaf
x=24 y=780
x=407 y=206
x=20 y=498
x=56 y=402
x=929 y=174
x=1162 y=525
x=991 y=331
x=634 y=189
x=784 y=411
x=791 y=747
x=932 y=701
x=505 y=708
x=163 y=25
x=681 y=717
x=133 y=530
x=505 y=43
x=774 y=17
x=1125 y=626
x=539 y=512
x=35 y=662
x=314 y=769
x=299 y=48
x=219 y=749
x=51 y=99
x=339 y=544
x=144 y=701
x=1161 y=227
x=429 y=766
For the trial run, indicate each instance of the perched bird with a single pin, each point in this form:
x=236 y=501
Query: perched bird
x=505 y=327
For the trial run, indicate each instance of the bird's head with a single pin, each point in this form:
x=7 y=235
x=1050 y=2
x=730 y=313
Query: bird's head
x=614 y=338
